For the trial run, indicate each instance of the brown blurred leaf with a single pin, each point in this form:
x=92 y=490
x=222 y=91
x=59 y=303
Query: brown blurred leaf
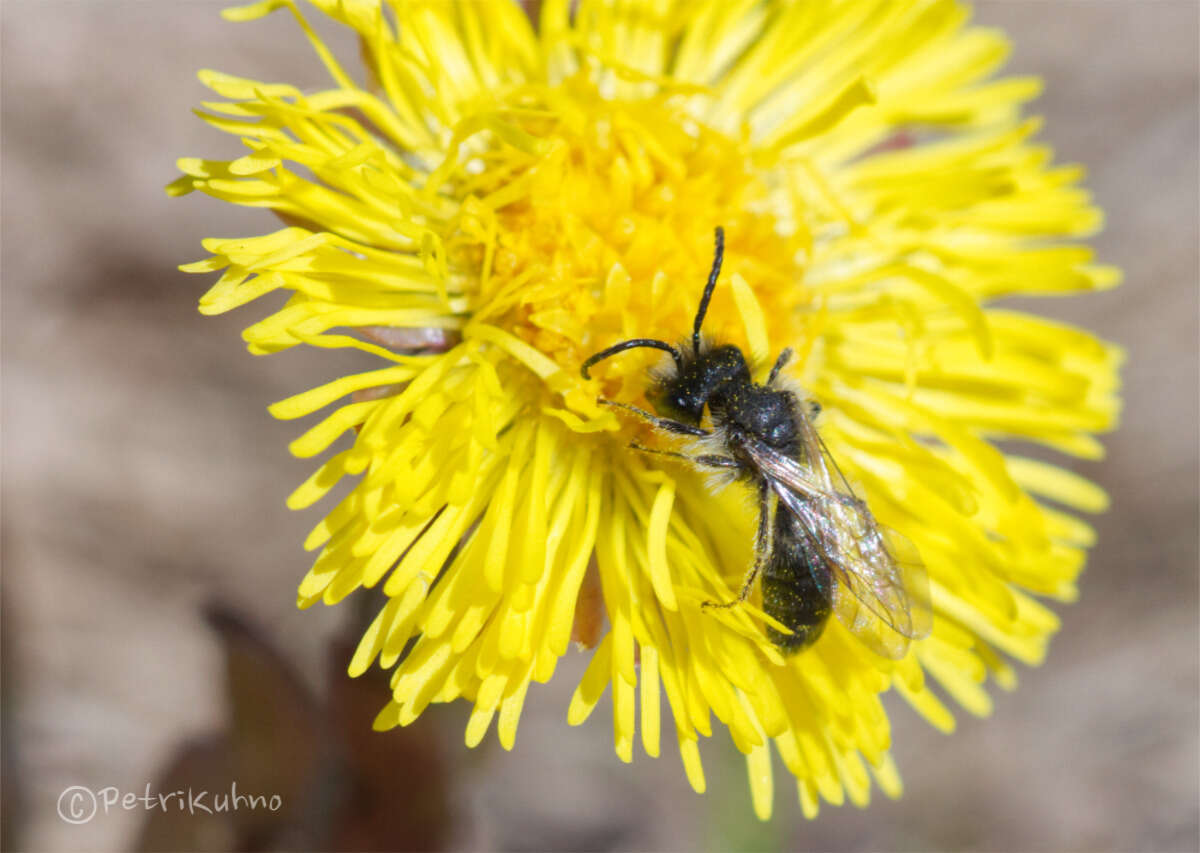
x=397 y=794
x=341 y=785
x=200 y=765
x=275 y=735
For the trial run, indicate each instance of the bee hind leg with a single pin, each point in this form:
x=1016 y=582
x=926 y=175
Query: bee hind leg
x=762 y=548
x=705 y=460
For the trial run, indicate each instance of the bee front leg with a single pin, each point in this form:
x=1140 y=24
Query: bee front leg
x=780 y=364
x=662 y=423
x=762 y=546
x=813 y=408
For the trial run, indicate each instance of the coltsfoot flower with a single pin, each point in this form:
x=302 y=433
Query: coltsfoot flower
x=493 y=201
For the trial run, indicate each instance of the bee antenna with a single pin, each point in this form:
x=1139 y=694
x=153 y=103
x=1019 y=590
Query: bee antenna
x=633 y=344
x=708 y=288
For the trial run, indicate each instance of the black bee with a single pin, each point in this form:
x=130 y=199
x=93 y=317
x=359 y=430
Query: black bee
x=818 y=548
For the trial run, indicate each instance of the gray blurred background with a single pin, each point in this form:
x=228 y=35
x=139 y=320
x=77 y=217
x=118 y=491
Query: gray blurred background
x=143 y=481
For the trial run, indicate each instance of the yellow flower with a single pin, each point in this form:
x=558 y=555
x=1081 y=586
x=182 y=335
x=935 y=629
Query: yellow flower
x=498 y=202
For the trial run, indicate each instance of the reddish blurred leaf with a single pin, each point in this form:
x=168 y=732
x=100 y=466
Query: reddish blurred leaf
x=340 y=784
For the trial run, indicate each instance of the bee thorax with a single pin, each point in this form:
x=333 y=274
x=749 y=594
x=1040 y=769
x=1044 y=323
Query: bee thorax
x=760 y=412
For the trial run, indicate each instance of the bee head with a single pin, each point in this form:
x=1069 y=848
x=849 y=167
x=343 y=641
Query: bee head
x=683 y=393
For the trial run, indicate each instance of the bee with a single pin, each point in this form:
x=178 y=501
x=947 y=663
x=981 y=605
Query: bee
x=818 y=548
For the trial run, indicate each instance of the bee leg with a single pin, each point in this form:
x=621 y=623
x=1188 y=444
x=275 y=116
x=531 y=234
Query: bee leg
x=661 y=423
x=705 y=460
x=762 y=547
x=780 y=364
x=813 y=407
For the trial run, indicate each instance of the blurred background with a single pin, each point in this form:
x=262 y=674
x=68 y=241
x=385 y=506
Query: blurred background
x=149 y=564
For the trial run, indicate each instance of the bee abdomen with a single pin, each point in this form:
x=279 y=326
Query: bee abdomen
x=790 y=591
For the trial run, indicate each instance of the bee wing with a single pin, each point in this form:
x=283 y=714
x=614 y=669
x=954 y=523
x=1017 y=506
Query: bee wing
x=881 y=593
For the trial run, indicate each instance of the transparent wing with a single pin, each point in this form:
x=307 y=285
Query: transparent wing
x=881 y=593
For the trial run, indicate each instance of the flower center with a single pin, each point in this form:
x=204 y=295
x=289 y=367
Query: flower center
x=596 y=225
